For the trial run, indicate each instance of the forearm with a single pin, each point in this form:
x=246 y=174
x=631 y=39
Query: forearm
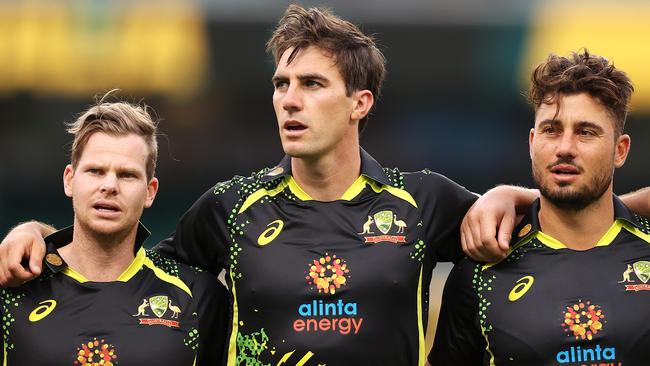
x=638 y=201
x=41 y=228
x=523 y=197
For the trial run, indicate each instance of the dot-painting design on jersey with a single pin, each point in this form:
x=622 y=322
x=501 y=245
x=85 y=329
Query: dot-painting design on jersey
x=583 y=320
x=96 y=352
x=328 y=273
x=250 y=347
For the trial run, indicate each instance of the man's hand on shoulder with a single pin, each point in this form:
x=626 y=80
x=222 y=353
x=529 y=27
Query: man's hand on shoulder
x=488 y=225
x=23 y=243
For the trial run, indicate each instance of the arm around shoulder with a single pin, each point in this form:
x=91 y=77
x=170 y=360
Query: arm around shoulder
x=638 y=201
x=23 y=243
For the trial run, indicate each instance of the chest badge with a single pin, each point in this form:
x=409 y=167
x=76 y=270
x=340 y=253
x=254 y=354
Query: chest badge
x=641 y=270
x=158 y=305
x=387 y=223
x=45 y=308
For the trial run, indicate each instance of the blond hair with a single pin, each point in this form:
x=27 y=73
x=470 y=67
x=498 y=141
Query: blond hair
x=115 y=119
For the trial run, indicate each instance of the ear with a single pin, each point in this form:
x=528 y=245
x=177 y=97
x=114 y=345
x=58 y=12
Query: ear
x=152 y=189
x=623 y=144
x=363 y=101
x=531 y=137
x=68 y=177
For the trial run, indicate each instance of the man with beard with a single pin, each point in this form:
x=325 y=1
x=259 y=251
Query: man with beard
x=572 y=288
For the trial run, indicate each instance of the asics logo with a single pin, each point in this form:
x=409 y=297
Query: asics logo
x=520 y=289
x=45 y=308
x=272 y=232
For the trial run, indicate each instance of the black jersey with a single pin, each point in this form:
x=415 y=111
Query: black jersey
x=546 y=304
x=326 y=283
x=157 y=312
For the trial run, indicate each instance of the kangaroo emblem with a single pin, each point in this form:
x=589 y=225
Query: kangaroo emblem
x=401 y=225
x=142 y=309
x=366 y=227
x=175 y=310
x=626 y=274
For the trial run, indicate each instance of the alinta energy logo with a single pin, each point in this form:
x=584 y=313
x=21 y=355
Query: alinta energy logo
x=159 y=306
x=641 y=270
x=383 y=222
x=583 y=321
x=326 y=275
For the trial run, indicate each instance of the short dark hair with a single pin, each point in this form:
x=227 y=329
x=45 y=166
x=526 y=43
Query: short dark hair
x=583 y=73
x=359 y=60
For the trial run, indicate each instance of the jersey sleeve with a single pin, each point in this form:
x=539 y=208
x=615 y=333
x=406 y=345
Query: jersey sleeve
x=443 y=203
x=213 y=314
x=458 y=339
x=201 y=237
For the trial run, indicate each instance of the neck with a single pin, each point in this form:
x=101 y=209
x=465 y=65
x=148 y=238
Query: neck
x=579 y=230
x=328 y=177
x=97 y=257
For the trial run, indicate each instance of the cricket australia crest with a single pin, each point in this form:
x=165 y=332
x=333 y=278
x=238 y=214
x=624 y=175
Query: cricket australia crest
x=158 y=305
x=383 y=221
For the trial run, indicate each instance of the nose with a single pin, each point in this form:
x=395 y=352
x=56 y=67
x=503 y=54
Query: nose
x=292 y=99
x=109 y=184
x=567 y=146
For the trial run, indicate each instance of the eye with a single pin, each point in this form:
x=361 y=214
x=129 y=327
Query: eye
x=94 y=171
x=548 y=129
x=280 y=84
x=587 y=132
x=312 y=84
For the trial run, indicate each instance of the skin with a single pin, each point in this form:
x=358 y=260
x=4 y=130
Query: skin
x=318 y=122
x=574 y=149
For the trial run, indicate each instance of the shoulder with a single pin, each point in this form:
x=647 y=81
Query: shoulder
x=192 y=277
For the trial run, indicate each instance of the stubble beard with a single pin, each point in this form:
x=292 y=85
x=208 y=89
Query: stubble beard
x=574 y=198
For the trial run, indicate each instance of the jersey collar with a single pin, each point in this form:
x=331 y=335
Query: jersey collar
x=530 y=224
x=369 y=168
x=63 y=237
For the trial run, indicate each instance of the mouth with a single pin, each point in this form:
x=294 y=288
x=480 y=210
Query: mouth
x=565 y=170
x=294 y=126
x=106 y=207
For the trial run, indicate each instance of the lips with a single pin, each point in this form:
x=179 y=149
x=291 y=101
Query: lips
x=293 y=125
x=106 y=207
x=565 y=169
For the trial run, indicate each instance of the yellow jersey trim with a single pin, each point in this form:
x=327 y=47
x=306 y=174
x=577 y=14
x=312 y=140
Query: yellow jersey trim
x=605 y=240
x=128 y=273
x=487 y=346
x=261 y=193
x=356 y=188
x=295 y=189
x=232 y=344
x=167 y=277
x=134 y=267
x=421 y=344
x=74 y=275
x=635 y=231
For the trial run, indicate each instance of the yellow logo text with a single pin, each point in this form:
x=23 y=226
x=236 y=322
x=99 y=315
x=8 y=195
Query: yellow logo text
x=271 y=233
x=45 y=308
x=522 y=286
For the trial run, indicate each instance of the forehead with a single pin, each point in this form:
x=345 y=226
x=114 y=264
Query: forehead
x=311 y=59
x=575 y=108
x=129 y=150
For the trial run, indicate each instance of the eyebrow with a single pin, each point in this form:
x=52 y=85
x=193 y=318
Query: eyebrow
x=581 y=124
x=302 y=77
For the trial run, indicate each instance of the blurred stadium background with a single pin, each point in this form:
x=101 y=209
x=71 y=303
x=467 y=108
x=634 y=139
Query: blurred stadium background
x=452 y=100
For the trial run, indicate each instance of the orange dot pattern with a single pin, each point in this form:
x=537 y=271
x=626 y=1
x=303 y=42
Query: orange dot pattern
x=583 y=320
x=96 y=353
x=328 y=273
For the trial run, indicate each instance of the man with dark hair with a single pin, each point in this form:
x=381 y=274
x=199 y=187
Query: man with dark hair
x=571 y=290
x=328 y=255
x=103 y=299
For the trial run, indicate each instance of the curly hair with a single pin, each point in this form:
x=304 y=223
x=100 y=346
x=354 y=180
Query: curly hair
x=583 y=73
